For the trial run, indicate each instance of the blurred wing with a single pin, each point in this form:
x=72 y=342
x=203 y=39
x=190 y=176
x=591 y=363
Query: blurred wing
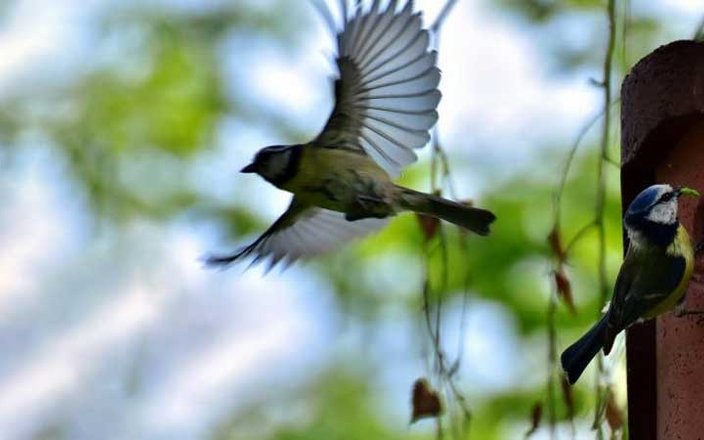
x=301 y=232
x=386 y=93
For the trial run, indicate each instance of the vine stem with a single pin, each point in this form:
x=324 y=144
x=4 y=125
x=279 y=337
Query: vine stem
x=597 y=223
x=601 y=196
x=444 y=370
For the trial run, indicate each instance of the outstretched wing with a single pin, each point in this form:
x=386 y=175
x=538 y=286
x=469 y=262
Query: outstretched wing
x=301 y=232
x=386 y=93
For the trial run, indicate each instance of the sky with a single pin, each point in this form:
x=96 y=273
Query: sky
x=150 y=352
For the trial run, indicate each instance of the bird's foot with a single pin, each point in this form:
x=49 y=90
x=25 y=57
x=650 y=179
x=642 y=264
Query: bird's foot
x=681 y=311
x=366 y=206
x=370 y=202
x=354 y=216
x=699 y=248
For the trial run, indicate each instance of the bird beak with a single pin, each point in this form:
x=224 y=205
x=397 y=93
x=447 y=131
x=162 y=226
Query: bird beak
x=684 y=191
x=249 y=169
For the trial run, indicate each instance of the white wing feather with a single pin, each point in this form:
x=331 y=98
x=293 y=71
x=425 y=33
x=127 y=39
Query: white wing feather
x=300 y=234
x=386 y=95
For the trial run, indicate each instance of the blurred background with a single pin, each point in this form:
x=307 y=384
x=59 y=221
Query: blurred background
x=123 y=124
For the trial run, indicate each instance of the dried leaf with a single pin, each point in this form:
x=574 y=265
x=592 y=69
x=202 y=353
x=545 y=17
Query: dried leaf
x=556 y=244
x=567 y=396
x=564 y=289
x=614 y=416
x=535 y=416
x=426 y=402
x=429 y=225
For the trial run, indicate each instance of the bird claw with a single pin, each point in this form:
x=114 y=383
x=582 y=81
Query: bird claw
x=367 y=206
x=353 y=216
x=699 y=248
x=680 y=312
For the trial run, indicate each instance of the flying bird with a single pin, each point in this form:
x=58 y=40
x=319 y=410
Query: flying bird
x=386 y=95
x=653 y=277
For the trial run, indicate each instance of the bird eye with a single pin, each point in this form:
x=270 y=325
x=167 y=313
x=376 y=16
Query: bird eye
x=667 y=197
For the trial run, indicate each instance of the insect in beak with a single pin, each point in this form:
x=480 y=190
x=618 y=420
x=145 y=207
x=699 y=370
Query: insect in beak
x=684 y=191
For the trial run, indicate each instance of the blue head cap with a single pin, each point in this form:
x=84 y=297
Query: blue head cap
x=652 y=216
x=646 y=199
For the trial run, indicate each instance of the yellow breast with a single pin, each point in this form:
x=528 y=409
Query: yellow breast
x=680 y=246
x=332 y=178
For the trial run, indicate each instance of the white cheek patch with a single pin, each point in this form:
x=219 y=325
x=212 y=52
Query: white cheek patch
x=664 y=213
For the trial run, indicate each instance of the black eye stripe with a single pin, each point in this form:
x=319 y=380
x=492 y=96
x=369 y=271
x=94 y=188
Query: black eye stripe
x=667 y=197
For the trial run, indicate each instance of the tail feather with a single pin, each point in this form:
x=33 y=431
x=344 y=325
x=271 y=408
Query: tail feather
x=578 y=355
x=476 y=220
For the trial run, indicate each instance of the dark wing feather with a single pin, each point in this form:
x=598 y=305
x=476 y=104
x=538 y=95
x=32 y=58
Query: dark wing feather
x=386 y=94
x=301 y=232
x=645 y=280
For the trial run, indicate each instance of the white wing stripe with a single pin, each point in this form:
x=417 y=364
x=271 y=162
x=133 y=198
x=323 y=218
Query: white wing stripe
x=403 y=138
x=428 y=74
x=398 y=110
x=407 y=88
x=407 y=95
x=310 y=235
x=420 y=64
x=397 y=47
x=377 y=33
x=402 y=25
x=386 y=137
x=369 y=21
x=392 y=147
x=427 y=101
x=410 y=53
x=385 y=41
x=397 y=125
x=357 y=27
x=349 y=39
x=423 y=120
x=343 y=8
x=380 y=151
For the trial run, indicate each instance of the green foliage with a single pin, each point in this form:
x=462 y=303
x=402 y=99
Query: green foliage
x=155 y=101
x=338 y=405
x=541 y=11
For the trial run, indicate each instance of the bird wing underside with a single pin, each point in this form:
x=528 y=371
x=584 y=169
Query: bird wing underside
x=386 y=93
x=300 y=233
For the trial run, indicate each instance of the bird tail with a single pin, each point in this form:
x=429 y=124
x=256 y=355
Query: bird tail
x=476 y=220
x=578 y=355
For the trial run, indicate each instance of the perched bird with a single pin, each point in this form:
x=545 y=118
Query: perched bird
x=385 y=100
x=653 y=277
